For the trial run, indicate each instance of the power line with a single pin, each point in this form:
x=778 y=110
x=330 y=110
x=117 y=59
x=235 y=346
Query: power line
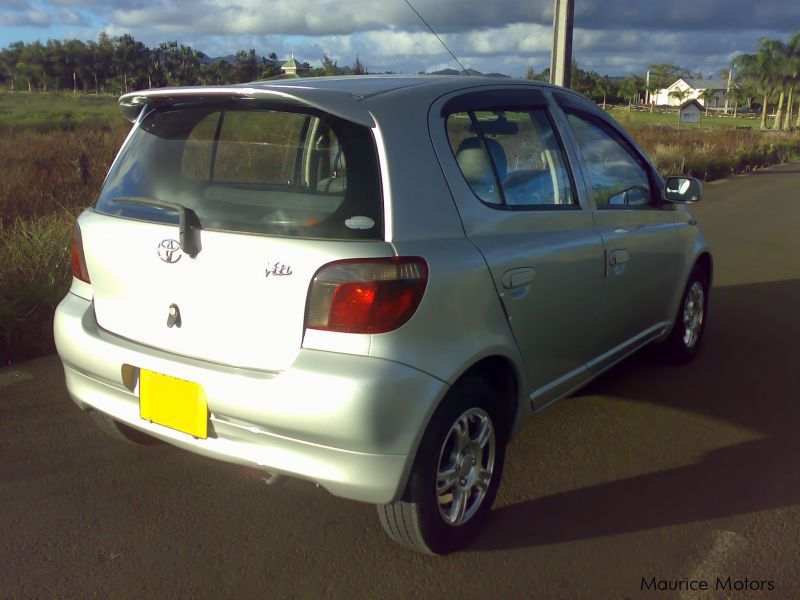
x=421 y=18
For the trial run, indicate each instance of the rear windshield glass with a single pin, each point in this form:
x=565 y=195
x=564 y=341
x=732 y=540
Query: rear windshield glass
x=255 y=171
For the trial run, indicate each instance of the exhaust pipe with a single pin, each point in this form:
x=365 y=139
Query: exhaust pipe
x=271 y=478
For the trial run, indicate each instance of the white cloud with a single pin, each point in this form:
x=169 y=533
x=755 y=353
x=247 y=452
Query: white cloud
x=613 y=36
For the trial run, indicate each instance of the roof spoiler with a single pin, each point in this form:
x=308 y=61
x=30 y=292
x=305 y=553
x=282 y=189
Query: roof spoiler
x=339 y=103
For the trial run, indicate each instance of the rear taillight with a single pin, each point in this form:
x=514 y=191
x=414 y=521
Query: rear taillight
x=77 y=258
x=373 y=295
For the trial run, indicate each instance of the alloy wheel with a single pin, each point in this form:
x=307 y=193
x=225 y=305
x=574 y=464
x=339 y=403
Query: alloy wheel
x=693 y=312
x=465 y=467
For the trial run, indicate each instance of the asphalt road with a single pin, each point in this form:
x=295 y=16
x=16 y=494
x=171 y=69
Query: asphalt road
x=652 y=471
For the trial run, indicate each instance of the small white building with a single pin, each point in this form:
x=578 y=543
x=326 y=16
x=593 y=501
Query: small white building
x=693 y=89
x=690 y=111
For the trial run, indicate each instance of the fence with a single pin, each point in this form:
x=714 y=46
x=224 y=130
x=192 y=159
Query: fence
x=673 y=110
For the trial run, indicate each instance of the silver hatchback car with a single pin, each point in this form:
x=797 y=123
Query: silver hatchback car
x=371 y=282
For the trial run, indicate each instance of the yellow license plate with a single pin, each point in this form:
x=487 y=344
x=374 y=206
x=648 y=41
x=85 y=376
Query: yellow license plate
x=173 y=403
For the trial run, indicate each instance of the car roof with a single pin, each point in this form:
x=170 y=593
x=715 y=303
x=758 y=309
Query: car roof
x=350 y=97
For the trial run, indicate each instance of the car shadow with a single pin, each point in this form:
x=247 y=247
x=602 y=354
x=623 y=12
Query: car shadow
x=747 y=374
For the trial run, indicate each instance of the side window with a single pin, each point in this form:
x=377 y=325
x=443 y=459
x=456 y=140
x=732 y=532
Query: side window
x=511 y=158
x=618 y=178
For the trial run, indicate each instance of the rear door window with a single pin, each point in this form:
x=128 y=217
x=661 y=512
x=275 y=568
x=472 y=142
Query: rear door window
x=255 y=171
x=511 y=158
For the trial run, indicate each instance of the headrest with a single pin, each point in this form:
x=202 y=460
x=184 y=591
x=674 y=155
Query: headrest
x=337 y=158
x=474 y=163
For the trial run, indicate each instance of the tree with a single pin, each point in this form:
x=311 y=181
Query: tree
x=793 y=52
x=218 y=72
x=103 y=59
x=77 y=66
x=664 y=75
x=530 y=74
x=358 y=67
x=30 y=66
x=652 y=88
x=272 y=66
x=707 y=95
x=54 y=74
x=330 y=67
x=130 y=60
x=738 y=94
x=628 y=89
x=247 y=66
x=10 y=56
x=679 y=95
x=603 y=87
x=753 y=71
x=5 y=70
x=583 y=81
x=776 y=56
x=189 y=61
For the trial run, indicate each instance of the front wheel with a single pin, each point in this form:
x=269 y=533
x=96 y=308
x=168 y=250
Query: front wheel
x=683 y=343
x=456 y=474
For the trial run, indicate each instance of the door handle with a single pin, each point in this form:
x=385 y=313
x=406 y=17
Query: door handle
x=518 y=277
x=618 y=257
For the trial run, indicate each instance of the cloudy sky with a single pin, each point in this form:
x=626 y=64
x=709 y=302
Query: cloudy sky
x=615 y=37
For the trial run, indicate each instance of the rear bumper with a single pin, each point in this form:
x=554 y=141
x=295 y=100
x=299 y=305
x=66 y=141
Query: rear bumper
x=350 y=423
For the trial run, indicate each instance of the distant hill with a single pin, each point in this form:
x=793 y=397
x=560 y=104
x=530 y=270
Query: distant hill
x=231 y=59
x=207 y=60
x=469 y=72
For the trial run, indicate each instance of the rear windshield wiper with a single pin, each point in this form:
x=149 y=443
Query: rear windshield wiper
x=188 y=221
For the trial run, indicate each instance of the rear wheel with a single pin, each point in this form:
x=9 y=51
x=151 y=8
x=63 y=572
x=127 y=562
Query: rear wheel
x=121 y=432
x=456 y=474
x=684 y=341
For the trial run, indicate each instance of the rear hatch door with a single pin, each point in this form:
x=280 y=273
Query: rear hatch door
x=275 y=201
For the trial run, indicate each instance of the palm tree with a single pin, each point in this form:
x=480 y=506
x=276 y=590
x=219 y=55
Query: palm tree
x=793 y=50
x=738 y=94
x=707 y=96
x=679 y=95
x=652 y=88
x=753 y=70
x=628 y=90
x=602 y=87
x=776 y=62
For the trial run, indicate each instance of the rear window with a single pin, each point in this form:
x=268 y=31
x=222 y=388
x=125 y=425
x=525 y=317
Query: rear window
x=251 y=170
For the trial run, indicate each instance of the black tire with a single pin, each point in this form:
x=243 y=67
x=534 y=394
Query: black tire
x=121 y=432
x=417 y=521
x=681 y=346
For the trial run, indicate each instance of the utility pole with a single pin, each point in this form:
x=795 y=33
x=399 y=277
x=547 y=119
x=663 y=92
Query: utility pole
x=728 y=90
x=561 y=60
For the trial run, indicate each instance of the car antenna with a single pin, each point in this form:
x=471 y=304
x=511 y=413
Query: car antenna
x=421 y=18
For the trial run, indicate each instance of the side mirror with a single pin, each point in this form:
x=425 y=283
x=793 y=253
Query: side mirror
x=683 y=189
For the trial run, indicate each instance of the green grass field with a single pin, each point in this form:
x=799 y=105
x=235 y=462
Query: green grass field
x=46 y=112
x=626 y=117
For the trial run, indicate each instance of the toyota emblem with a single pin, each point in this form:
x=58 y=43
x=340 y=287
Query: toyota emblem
x=170 y=251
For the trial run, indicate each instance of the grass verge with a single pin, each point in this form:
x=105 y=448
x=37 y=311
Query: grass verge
x=34 y=276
